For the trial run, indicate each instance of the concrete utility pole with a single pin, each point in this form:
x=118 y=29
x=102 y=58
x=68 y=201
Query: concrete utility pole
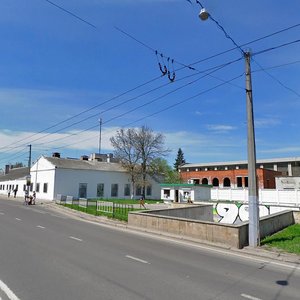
x=254 y=237
x=29 y=158
x=100 y=134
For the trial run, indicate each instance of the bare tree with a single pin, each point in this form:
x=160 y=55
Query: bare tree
x=124 y=149
x=137 y=148
x=149 y=146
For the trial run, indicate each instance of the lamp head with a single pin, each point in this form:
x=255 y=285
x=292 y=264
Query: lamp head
x=203 y=15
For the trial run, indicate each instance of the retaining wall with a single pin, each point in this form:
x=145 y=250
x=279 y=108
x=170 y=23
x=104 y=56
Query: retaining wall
x=231 y=235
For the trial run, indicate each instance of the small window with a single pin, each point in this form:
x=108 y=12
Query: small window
x=114 y=190
x=45 y=188
x=127 y=189
x=239 y=182
x=31 y=187
x=100 y=190
x=149 y=190
x=37 y=187
x=138 y=191
x=82 y=192
x=246 y=181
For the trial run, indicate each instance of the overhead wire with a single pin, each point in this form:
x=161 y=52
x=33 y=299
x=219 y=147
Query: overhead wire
x=151 y=101
x=165 y=109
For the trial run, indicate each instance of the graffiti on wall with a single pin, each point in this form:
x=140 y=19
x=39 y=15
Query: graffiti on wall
x=233 y=213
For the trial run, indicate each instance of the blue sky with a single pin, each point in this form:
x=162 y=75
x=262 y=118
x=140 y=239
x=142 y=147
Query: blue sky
x=55 y=66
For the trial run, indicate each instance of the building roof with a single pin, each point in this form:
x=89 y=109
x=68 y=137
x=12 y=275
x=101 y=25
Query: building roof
x=77 y=164
x=242 y=162
x=17 y=173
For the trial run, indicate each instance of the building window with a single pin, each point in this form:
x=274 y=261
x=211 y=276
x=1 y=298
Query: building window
x=239 y=182
x=24 y=187
x=226 y=182
x=215 y=182
x=246 y=181
x=114 y=190
x=138 y=191
x=166 y=194
x=37 y=187
x=82 y=192
x=31 y=187
x=45 y=188
x=204 y=181
x=149 y=190
x=127 y=189
x=100 y=190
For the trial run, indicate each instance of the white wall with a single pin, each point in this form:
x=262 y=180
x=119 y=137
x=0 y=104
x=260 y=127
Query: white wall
x=19 y=182
x=287 y=197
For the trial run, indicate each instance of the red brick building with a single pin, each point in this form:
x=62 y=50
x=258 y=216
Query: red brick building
x=234 y=178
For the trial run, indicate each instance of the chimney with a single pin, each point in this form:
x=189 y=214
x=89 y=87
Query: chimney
x=56 y=154
x=84 y=157
x=7 y=168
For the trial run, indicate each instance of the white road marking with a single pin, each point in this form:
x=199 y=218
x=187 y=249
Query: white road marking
x=75 y=238
x=1 y=213
x=9 y=293
x=137 y=259
x=250 y=297
x=39 y=226
x=18 y=219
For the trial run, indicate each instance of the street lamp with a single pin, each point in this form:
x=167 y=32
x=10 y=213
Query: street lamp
x=254 y=236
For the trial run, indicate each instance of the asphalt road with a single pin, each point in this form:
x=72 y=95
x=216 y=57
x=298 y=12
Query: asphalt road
x=45 y=255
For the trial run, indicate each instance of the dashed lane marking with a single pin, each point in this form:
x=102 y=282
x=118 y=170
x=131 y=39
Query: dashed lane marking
x=9 y=293
x=18 y=219
x=39 y=226
x=250 y=297
x=75 y=238
x=137 y=259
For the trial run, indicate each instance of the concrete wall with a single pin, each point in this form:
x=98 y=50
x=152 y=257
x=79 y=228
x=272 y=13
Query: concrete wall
x=194 y=212
x=201 y=230
x=231 y=235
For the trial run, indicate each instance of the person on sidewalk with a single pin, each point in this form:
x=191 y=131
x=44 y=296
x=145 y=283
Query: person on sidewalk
x=142 y=202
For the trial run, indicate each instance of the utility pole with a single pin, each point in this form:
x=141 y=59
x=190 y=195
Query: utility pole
x=28 y=178
x=29 y=159
x=254 y=236
x=100 y=133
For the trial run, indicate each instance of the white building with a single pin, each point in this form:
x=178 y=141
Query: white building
x=83 y=178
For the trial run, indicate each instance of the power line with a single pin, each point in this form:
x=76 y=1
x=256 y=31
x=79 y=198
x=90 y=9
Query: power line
x=210 y=70
x=83 y=112
x=162 y=110
x=147 y=103
x=72 y=14
x=243 y=45
x=276 y=47
x=277 y=80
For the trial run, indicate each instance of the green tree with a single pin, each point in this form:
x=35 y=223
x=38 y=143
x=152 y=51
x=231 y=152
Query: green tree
x=179 y=159
x=160 y=167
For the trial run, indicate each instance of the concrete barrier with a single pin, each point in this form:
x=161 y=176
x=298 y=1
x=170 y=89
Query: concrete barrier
x=226 y=234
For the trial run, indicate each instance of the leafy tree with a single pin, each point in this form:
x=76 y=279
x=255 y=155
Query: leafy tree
x=179 y=159
x=160 y=167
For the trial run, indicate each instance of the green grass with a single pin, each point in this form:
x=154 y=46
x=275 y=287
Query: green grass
x=128 y=201
x=119 y=214
x=288 y=239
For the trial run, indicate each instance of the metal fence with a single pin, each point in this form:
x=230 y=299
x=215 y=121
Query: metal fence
x=105 y=207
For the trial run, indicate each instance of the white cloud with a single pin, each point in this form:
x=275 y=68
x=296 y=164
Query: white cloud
x=267 y=122
x=220 y=128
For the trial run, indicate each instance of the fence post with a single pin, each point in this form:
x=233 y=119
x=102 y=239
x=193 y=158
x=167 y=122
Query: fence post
x=113 y=210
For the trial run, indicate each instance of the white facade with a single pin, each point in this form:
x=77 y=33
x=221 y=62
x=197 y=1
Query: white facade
x=78 y=178
x=185 y=192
